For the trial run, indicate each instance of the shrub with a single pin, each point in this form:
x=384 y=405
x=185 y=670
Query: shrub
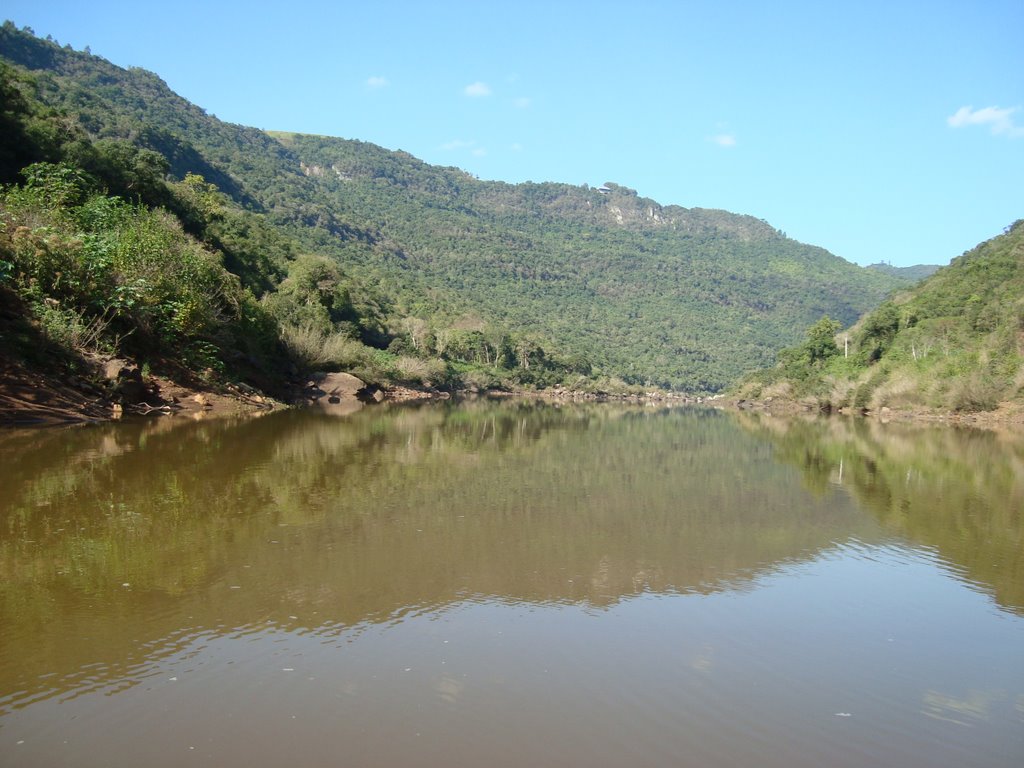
x=866 y=390
x=414 y=369
x=978 y=392
x=311 y=347
x=70 y=328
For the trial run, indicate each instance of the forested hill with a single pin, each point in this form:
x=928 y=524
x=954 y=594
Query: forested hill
x=686 y=298
x=436 y=264
x=953 y=342
x=916 y=273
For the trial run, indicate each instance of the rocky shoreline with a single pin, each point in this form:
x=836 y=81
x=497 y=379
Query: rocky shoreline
x=121 y=389
x=118 y=388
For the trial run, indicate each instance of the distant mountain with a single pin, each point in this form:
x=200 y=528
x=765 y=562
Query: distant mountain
x=914 y=273
x=684 y=297
x=953 y=342
x=511 y=278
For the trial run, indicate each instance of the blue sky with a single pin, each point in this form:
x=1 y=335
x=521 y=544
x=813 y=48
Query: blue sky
x=882 y=131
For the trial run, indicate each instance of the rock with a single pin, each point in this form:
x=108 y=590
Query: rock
x=339 y=394
x=127 y=381
x=370 y=394
x=340 y=385
x=113 y=368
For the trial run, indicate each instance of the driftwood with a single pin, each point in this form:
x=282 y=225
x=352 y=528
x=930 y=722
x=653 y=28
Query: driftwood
x=146 y=408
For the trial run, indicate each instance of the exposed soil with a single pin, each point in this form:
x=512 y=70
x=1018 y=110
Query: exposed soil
x=36 y=398
x=39 y=397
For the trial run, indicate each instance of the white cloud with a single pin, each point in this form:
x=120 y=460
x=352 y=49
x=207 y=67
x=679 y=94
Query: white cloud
x=724 y=140
x=377 y=82
x=477 y=89
x=522 y=102
x=517 y=147
x=461 y=145
x=457 y=144
x=1000 y=121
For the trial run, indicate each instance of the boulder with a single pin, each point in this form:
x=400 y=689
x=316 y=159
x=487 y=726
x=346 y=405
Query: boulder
x=126 y=380
x=339 y=394
x=371 y=394
x=340 y=385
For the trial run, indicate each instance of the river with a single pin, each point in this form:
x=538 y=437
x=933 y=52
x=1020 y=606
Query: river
x=508 y=584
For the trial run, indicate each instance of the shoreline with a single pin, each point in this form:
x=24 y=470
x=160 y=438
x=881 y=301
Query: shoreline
x=1006 y=416
x=34 y=399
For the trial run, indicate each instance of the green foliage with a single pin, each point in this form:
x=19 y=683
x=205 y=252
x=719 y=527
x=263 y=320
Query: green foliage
x=866 y=390
x=803 y=364
x=27 y=136
x=658 y=295
x=976 y=392
x=879 y=330
x=104 y=273
x=820 y=344
x=915 y=273
x=74 y=329
x=567 y=282
x=953 y=342
x=55 y=186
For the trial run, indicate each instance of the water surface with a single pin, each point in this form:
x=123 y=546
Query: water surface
x=510 y=584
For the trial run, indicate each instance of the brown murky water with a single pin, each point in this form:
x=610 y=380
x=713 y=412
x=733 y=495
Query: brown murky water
x=507 y=584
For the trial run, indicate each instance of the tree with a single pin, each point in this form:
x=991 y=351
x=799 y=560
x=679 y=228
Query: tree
x=417 y=330
x=821 y=343
x=880 y=329
x=59 y=185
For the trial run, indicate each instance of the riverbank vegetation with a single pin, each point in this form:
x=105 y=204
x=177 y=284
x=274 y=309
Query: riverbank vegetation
x=953 y=343
x=134 y=223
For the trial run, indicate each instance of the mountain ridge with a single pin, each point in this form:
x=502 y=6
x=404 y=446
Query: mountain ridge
x=649 y=294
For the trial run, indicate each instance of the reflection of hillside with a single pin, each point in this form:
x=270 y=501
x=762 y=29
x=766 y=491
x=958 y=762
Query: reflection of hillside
x=318 y=523
x=958 y=491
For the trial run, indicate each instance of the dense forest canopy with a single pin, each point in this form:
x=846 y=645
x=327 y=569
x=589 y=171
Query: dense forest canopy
x=339 y=253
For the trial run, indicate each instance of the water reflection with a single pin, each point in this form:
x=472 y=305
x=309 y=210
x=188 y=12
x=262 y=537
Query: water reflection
x=323 y=524
x=492 y=570
x=957 y=491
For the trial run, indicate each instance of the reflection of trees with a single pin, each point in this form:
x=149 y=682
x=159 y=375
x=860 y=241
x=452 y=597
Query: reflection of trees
x=340 y=522
x=959 y=491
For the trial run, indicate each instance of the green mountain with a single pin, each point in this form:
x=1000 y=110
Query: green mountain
x=953 y=342
x=915 y=272
x=344 y=241
x=686 y=298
